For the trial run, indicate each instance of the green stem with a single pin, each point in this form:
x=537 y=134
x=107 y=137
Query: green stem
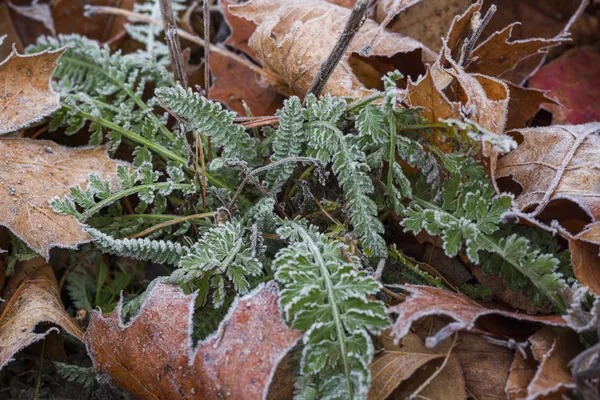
x=303 y=176
x=157 y=148
x=359 y=103
x=494 y=247
x=423 y=126
x=140 y=103
x=391 y=154
x=124 y=193
x=337 y=320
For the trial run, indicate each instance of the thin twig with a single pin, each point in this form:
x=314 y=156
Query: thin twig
x=148 y=231
x=357 y=18
x=206 y=18
x=470 y=42
x=93 y=10
x=415 y=394
x=200 y=146
x=172 y=38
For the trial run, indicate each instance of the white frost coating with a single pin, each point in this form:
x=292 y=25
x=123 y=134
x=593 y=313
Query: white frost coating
x=37 y=337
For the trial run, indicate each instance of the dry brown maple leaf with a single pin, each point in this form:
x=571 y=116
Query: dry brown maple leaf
x=293 y=38
x=153 y=357
x=27 y=95
x=558 y=162
x=426 y=301
x=34 y=171
x=31 y=298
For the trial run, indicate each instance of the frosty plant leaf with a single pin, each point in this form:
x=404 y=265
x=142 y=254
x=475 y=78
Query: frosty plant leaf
x=27 y=96
x=33 y=172
x=327 y=295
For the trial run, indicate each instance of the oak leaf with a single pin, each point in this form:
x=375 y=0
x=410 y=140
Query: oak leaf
x=31 y=298
x=152 y=355
x=549 y=374
x=585 y=259
x=424 y=20
x=553 y=163
x=436 y=105
x=241 y=29
x=485 y=366
x=293 y=38
x=27 y=95
x=573 y=80
x=426 y=301
x=33 y=172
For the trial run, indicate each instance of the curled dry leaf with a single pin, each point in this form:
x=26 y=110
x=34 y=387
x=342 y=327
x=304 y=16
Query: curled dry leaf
x=573 y=80
x=293 y=38
x=426 y=301
x=556 y=163
x=436 y=105
x=234 y=83
x=153 y=357
x=31 y=298
x=423 y=20
x=34 y=171
x=241 y=29
x=552 y=349
x=396 y=363
x=27 y=95
x=585 y=258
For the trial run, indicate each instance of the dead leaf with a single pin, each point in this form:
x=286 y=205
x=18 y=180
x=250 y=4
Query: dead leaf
x=485 y=366
x=549 y=374
x=396 y=363
x=549 y=19
x=69 y=18
x=234 y=83
x=435 y=103
x=28 y=96
x=292 y=39
x=32 y=21
x=426 y=21
x=585 y=258
x=9 y=32
x=499 y=54
x=31 y=298
x=241 y=29
x=426 y=301
x=523 y=105
x=554 y=163
x=34 y=171
x=153 y=357
x=573 y=80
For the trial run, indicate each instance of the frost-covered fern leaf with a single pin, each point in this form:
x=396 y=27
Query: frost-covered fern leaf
x=349 y=165
x=75 y=373
x=469 y=215
x=80 y=288
x=158 y=251
x=327 y=295
x=209 y=118
x=223 y=253
x=289 y=140
x=148 y=33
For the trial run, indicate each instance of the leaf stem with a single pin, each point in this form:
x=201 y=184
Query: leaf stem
x=135 y=189
x=494 y=246
x=366 y=100
x=337 y=320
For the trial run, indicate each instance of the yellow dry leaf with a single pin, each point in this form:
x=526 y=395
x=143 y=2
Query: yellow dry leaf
x=293 y=38
x=34 y=171
x=27 y=95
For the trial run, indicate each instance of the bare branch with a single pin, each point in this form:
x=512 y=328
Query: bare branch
x=172 y=38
